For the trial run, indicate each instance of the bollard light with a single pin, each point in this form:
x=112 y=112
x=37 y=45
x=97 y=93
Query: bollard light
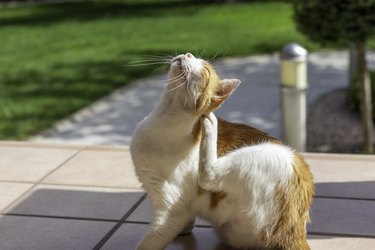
x=293 y=95
x=293 y=66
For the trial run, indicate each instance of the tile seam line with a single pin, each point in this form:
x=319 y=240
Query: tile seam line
x=17 y=182
x=59 y=217
x=24 y=194
x=89 y=186
x=114 y=229
x=60 y=165
x=343 y=198
x=149 y=223
x=342 y=235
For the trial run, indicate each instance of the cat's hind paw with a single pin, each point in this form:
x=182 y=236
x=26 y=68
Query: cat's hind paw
x=209 y=124
x=209 y=185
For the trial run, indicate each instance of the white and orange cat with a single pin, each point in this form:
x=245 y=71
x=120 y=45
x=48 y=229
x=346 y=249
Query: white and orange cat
x=254 y=190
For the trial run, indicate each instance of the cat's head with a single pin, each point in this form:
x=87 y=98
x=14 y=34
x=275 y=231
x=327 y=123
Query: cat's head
x=195 y=83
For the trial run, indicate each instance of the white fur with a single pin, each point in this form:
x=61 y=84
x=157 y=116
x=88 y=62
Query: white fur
x=170 y=163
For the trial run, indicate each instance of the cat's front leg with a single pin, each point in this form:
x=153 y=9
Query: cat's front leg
x=165 y=227
x=208 y=152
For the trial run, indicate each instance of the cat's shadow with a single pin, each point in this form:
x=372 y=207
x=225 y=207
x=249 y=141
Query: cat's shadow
x=200 y=239
x=192 y=241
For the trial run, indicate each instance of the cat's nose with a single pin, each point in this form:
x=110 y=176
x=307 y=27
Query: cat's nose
x=189 y=55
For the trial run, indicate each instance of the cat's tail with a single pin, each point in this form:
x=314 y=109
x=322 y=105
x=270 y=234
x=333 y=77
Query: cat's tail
x=299 y=245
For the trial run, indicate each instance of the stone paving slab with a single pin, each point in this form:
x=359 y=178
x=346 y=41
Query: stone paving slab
x=88 y=207
x=340 y=243
x=343 y=176
x=343 y=217
x=97 y=167
x=10 y=191
x=76 y=202
x=30 y=164
x=26 y=233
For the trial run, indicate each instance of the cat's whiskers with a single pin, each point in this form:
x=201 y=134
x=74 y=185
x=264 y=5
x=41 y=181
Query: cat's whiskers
x=174 y=79
x=213 y=58
x=151 y=60
x=177 y=86
x=181 y=76
x=159 y=69
x=200 y=55
x=146 y=63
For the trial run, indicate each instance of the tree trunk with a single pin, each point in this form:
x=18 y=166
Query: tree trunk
x=353 y=64
x=366 y=102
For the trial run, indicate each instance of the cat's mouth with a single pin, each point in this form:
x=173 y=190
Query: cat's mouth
x=177 y=62
x=181 y=62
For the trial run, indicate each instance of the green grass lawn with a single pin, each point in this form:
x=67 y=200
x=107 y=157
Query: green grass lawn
x=56 y=59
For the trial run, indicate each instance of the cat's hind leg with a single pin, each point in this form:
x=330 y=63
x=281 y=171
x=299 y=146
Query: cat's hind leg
x=208 y=152
x=211 y=168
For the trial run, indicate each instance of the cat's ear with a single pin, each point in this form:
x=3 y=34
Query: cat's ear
x=227 y=86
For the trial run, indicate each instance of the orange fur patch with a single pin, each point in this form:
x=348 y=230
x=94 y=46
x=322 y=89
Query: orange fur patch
x=232 y=136
x=211 y=82
x=294 y=199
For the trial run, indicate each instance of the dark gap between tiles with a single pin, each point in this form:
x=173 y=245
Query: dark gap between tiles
x=17 y=182
x=88 y=186
x=341 y=235
x=343 y=198
x=148 y=223
x=59 y=217
x=119 y=224
x=137 y=222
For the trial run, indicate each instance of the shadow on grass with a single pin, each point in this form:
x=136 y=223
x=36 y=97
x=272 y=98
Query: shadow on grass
x=91 y=10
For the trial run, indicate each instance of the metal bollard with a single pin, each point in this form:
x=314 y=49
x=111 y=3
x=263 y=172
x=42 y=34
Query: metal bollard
x=293 y=95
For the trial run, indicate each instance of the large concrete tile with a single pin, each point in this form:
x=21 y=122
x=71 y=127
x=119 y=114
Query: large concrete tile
x=10 y=191
x=347 y=217
x=341 y=168
x=46 y=234
x=97 y=167
x=144 y=213
x=340 y=243
x=348 y=176
x=78 y=202
x=359 y=189
x=129 y=235
x=30 y=164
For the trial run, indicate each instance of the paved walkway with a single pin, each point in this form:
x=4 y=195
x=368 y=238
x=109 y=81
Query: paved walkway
x=256 y=102
x=80 y=197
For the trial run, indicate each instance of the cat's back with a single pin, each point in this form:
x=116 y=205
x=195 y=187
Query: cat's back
x=232 y=136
